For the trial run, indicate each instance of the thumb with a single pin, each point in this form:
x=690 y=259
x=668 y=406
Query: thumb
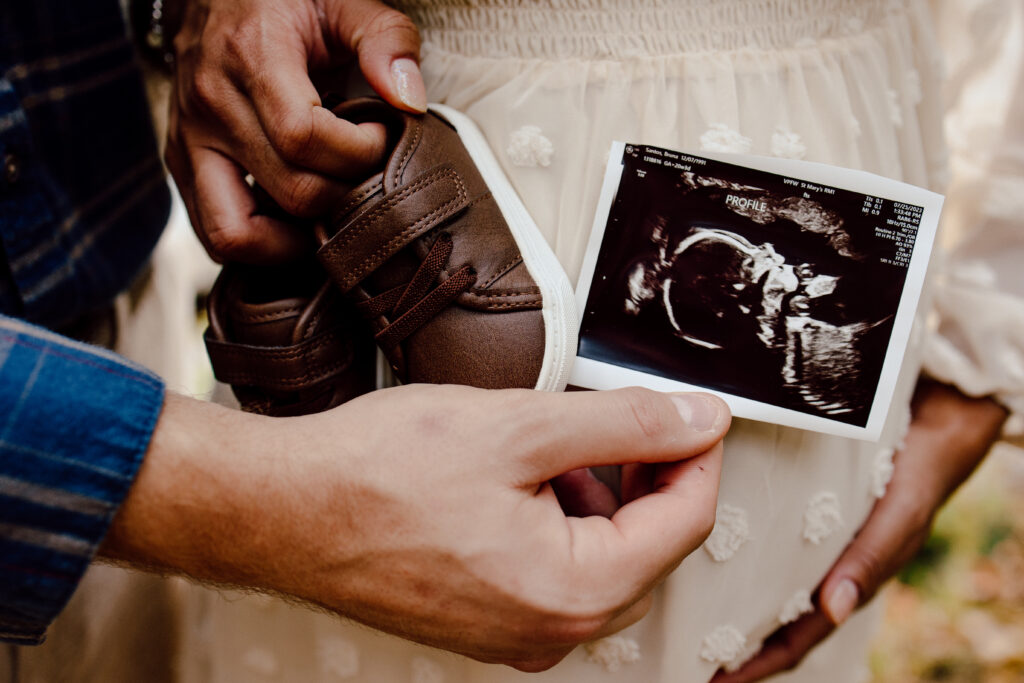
x=591 y=428
x=387 y=45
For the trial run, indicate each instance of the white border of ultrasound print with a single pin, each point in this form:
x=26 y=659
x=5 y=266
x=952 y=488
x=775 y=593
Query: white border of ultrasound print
x=593 y=374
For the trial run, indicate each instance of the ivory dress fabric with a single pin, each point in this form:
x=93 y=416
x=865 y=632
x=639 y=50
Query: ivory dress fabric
x=854 y=83
x=851 y=83
x=551 y=82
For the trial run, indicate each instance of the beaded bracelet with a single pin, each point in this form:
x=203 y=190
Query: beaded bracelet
x=149 y=19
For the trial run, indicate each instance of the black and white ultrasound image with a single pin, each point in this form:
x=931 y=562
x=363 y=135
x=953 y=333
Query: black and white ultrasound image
x=748 y=283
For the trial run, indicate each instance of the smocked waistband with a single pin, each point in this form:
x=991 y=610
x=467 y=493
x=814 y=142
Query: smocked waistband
x=556 y=29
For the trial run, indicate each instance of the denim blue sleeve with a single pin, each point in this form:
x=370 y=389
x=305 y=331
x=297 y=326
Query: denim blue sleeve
x=75 y=422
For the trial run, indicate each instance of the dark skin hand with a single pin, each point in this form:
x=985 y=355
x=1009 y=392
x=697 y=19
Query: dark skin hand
x=245 y=101
x=949 y=435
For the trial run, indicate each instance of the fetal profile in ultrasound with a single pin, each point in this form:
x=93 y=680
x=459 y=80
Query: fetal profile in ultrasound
x=759 y=291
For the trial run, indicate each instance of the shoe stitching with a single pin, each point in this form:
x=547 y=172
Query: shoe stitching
x=319 y=372
x=407 y=156
x=483 y=196
x=387 y=248
x=265 y=317
x=314 y=375
x=362 y=222
x=513 y=305
x=360 y=198
x=286 y=354
x=499 y=273
x=495 y=295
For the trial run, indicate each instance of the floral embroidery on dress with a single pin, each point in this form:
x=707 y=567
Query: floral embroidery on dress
x=528 y=147
x=854 y=124
x=822 y=517
x=721 y=138
x=746 y=654
x=613 y=652
x=974 y=273
x=908 y=417
x=724 y=644
x=337 y=656
x=798 y=604
x=426 y=671
x=732 y=530
x=895 y=108
x=787 y=144
x=260 y=661
x=881 y=472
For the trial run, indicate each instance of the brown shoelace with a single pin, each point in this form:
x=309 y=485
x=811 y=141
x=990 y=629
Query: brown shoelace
x=411 y=305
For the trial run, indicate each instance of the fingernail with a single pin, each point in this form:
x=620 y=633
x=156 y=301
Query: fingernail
x=409 y=83
x=699 y=411
x=842 y=601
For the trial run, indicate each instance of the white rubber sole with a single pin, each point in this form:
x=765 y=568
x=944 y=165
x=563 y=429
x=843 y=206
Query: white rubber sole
x=561 y=324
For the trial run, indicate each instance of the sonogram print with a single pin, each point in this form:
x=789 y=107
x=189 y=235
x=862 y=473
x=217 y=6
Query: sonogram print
x=762 y=290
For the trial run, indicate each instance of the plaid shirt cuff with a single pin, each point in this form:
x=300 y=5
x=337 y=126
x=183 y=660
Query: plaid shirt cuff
x=75 y=423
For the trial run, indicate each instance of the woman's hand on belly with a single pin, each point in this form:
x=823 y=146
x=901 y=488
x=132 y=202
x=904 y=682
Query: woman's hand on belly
x=949 y=435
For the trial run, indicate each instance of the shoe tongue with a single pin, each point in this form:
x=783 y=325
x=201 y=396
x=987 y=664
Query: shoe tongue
x=274 y=323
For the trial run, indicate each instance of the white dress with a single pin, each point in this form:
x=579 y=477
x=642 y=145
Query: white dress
x=854 y=83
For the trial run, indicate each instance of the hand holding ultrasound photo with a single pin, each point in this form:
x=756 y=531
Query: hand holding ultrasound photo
x=787 y=288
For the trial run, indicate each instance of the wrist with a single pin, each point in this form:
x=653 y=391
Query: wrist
x=969 y=421
x=196 y=494
x=957 y=432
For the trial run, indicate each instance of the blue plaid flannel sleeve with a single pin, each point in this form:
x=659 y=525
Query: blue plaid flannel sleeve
x=75 y=423
x=83 y=195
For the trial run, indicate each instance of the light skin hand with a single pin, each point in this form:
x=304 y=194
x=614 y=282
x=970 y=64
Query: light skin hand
x=425 y=511
x=950 y=434
x=244 y=101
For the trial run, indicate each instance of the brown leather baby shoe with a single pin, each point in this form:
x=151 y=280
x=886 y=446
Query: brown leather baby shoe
x=441 y=257
x=286 y=341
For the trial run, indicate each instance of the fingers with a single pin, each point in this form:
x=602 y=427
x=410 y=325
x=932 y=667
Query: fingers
x=948 y=437
x=243 y=89
x=647 y=538
x=388 y=47
x=783 y=650
x=630 y=616
x=302 y=132
x=637 y=611
x=637 y=480
x=227 y=219
x=892 y=534
x=581 y=494
x=583 y=429
x=238 y=135
x=547 y=659
x=209 y=168
x=662 y=527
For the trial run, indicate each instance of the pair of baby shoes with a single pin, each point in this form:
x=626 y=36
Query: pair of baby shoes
x=434 y=260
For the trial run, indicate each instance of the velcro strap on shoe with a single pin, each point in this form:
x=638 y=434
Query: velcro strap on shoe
x=398 y=218
x=281 y=368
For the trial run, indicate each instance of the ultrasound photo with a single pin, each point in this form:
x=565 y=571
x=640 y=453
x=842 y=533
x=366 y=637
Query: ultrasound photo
x=773 y=289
